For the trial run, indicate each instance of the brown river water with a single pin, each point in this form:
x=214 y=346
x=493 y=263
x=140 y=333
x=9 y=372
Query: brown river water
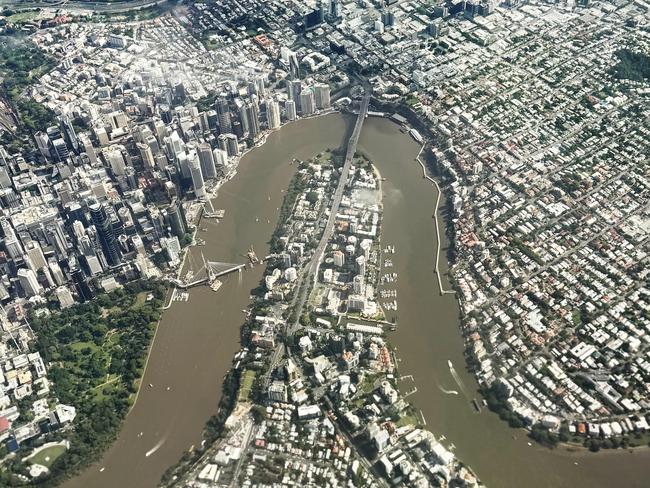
x=196 y=339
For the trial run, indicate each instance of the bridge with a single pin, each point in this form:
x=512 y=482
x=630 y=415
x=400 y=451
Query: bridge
x=311 y=272
x=212 y=269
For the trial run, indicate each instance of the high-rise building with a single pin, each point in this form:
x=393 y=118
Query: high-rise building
x=220 y=159
x=61 y=152
x=197 y=176
x=252 y=112
x=206 y=158
x=290 y=110
x=29 y=282
x=105 y=233
x=243 y=118
x=294 y=88
x=115 y=159
x=307 y=101
x=43 y=144
x=233 y=145
x=146 y=155
x=322 y=95
x=223 y=115
x=176 y=219
x=222 y=142
x=273 y=114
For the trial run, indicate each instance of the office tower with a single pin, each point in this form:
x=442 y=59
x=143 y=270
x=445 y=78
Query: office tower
x=243 y=118
x=55 y=271
x=307 y=101
x=334 y=9
x=35 y=255
x=357 y=285
x=105 y=233
x=273 y=114
x=197 y=176
x=213 y=119
x=64 y=296
x=361 y=265
x=260 y=84
x=88 y=148
x=435 y=29
x=206 y=158
x=222 y=142
x=146 y=155
x=176 y=219
x=70 y=135
x=11 y=241
x=388 y=18
x=290 y=110
x=81 y=285
x=43 y=144
x=233 y=145
x=223 y=115
x=322 y=95
x=339 y=258
x=295 y=88
x=238 y=130
x=61 y=152
x=252 y=113
x=220 y=159
x=28 y=282
x=183 y=162
x=115 y=160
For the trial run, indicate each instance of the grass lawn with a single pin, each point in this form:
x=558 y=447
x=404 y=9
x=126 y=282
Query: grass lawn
x=47 y=456
x=246 y=385
x=22 y=17
x=407 y=419
x=78 y=346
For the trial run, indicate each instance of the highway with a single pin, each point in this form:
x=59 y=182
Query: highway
x=105 y=7
x=311 y=271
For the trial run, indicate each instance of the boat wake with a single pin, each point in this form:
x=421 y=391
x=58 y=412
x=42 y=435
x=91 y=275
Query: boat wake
x=156 y=447
x=447 y=392
x=457 y=378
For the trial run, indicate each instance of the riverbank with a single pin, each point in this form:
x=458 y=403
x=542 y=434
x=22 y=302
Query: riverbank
x=196 y=339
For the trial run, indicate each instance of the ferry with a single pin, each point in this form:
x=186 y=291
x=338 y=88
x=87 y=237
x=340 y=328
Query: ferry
x=476 y=405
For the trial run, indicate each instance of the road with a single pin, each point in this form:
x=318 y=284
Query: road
x=105 y=7
x=311 y=271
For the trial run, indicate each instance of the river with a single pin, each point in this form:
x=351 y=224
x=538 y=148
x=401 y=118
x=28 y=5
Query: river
x=196 y=339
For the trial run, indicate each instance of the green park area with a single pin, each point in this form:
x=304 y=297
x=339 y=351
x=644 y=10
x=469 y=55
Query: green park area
x=22 y=17
x=96 y=353
x=246 y=385
x=47 y=456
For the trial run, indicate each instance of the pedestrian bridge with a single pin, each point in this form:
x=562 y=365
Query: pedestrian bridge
x=210 y=271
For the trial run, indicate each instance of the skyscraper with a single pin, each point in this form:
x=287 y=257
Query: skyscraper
x=105 y=233
x=273 y=114
x=233 y=145
x=223 y=115
x=28 y=282
x=252 y=112
x=206 y=158
x=176 y=219
x=322 y=95
x=294 y=88
x=197 y=176
x=290 y=110
x=307 y=101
